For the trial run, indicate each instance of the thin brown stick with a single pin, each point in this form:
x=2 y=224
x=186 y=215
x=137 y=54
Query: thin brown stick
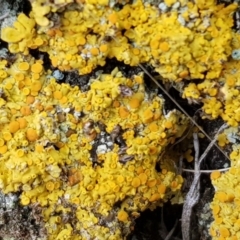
x=177 y=104
x=169 y=236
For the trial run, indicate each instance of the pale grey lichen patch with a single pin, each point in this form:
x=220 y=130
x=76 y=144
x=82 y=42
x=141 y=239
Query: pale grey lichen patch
x=4 y=16
x=6 y=19
x=58 y=75
x=4 y=53
x=8 y=201
x=236 y=54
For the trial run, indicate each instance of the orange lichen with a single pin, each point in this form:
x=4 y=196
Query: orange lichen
x=147 y=115
x=31 y=134
x=154 y=197
x=222 y=196
x=215 y=209
x=162 y=189
x=36 y=86
x=188 y=155
x=222 y=139
x=37 y=68
x=19 y=76
x=103 y=48
x=218 y=220
x=164 y=46
x=123 y=112
x=57 y=95
x=153 y=150
x=94 y=51
x=14 y=126
x=30 y=99
x=230 y=197
x=122 y=216
x=1 y=142
x=230 y=81
x=136 y=182
x=224 y=232
x=112 y=18
x=24 y=66
x=143 y=177
x=26 y=110
x=154 y=44
x=168 y=124
x=138 y=79
x=153 y=127
x=7 y=136
x=152 y=182
x=50 y=186
x=184 y=74
x=215 y=175
x=3 y=149
x=134 y=102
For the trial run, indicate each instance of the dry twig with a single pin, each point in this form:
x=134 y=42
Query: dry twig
x=3 y=16
x=164 y=232
x=205 y=171
x=177 y=104
x=169 y=236
x=193 y=194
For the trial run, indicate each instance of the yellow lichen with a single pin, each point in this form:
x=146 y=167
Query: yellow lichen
x=174 y=54
x=45 y=144
x=222 y=139
x=20 y=35
x=31 y=134
x=39 y=144
x=14 y=126
x=188 y=155
x=226 y=200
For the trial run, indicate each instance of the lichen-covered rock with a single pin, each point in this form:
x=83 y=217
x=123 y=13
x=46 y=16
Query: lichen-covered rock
x=184 y=41
x=87 y=158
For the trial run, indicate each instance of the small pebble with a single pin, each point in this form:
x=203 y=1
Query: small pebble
x=163 y=7
x=58 y=75
x=236 y=54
